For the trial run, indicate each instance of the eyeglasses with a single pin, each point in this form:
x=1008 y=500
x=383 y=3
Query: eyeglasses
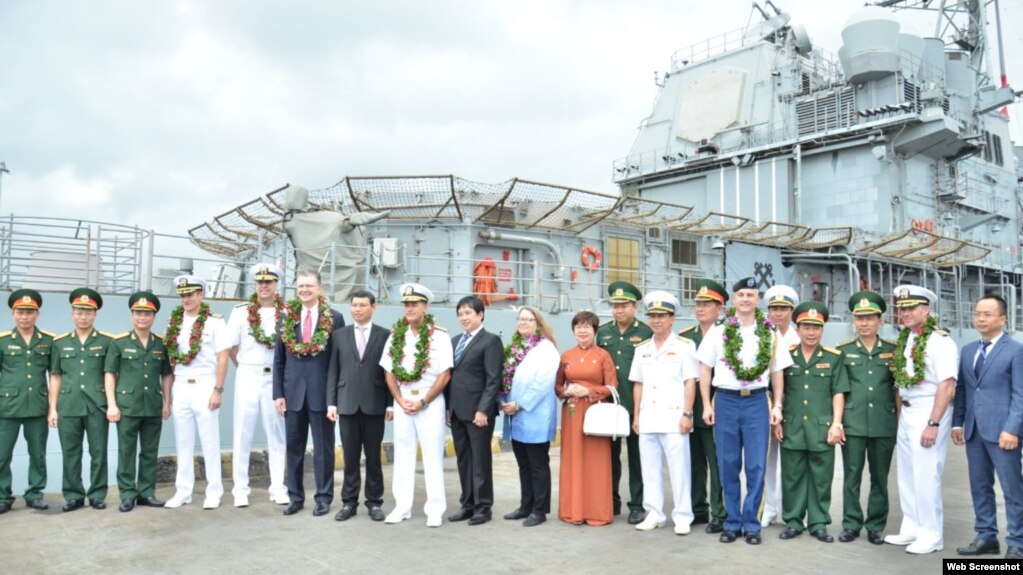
x=527 y=320
x=985 y=315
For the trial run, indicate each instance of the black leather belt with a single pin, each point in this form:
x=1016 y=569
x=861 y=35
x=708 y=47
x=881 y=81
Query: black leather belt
x=905 y=403
x=267 y=369
x=741 y=392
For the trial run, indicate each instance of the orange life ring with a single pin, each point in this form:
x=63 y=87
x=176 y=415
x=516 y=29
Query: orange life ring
x=591 y=258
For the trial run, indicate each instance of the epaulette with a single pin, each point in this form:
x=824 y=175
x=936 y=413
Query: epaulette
x=937 y=330
x=846 y=342
x=216 y=315
x=793 y=347
x=243 y=304
x=888 y=341
x=104 y=333
x=642 y=342
x=47 y=333
x=641 y=322
x=157 y=336
x=831 y=350
x=440 y=328
x=61 y=336
x=686 y=329
x=606 y=323
x=5 y=334
x=122 y=335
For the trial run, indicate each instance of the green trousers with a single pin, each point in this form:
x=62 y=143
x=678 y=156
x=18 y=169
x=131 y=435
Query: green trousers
x=877 y=453
x=806 y=487
x=139 y=435
x=36 y=433
x=72 y=432
x=705 y=458
x=635 y=472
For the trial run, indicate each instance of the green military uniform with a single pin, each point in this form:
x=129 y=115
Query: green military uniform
x=82 y=411
x=870 y=422
x=139 y=392
x=24 y=400
x=703 y=453
x=622 y=347
x=807 y=461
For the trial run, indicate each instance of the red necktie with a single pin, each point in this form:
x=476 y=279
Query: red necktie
x=307 y=327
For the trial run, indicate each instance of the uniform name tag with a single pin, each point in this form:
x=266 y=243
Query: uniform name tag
x=671 y=353
x=854 y=355
x=95 y=347
x=13 y=346
x=67 y=349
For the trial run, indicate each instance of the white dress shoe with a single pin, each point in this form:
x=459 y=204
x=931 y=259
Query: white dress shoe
x=921 y=547
x=211 y=503
x=682 y=529
x=434 y=521
x=241 y=501
x=899 y=539
x=649 y=524
x=178 y=500
x=280 y=499
x=397 y=516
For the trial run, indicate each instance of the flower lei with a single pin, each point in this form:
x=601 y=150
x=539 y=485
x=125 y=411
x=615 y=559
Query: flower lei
x=194 y=337
x=733 y=343
x=514 y=353
x=324 y=325
x=397 y=350
x=903 y=379
x=256 y=322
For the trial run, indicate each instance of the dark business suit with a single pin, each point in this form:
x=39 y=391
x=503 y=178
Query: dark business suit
x=302 y=381
x=356 y=386
x=984 y=407
x=475 y=381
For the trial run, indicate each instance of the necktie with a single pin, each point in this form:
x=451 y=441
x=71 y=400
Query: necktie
x=307 y=327
x=461 y=348
x=979 y=365
x=362 y=341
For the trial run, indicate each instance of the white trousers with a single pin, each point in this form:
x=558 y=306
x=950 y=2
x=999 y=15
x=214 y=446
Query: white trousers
x=654 y=449
x=253 y=399
x=772 y=484
x=427 y=429
x=919 y=470
x=191 y=410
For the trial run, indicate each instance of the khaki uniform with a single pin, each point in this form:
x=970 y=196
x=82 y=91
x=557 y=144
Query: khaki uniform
x=82 y=411
x=24 y=403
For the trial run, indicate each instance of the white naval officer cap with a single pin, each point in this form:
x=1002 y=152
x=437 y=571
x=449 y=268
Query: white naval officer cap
x=781 y=295
x=908 y=295
x=660 y=301
x=263 y=272
x=188 y=283
x=413 y=292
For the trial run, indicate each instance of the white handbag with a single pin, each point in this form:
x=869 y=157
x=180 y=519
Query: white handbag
x=607 y=419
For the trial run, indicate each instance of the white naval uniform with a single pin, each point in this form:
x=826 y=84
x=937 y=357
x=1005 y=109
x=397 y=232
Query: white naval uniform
x=253 y=399
x=193 y=387
x=427 y=427
x=920 y=468
x=663 y=373
x=772 y=473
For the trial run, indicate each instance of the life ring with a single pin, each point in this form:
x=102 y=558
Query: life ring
x=591 y=258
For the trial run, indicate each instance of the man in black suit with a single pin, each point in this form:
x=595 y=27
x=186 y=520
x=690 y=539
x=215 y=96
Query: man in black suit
x=472 y=401
x=357 y=398
x=301 y=359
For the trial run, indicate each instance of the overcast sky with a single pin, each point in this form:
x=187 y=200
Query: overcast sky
x=165 y=114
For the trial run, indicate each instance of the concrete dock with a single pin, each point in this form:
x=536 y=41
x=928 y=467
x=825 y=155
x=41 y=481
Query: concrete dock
x=259 y=539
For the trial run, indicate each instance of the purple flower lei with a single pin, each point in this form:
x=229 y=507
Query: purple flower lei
x=514 y=353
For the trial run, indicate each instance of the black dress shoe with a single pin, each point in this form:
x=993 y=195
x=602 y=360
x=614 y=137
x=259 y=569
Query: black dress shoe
x=72 y=504
x=823 y=536
x=535 y=519
x=480 y=518
x=322 y=508
x=126 y=505
x=636 y=517
x=789 y=533
x=715 y=526
x=728 y=536
x=376 y=514
x=346 y=513
x=875 y=537
x=4 y=507
x=293 y=508
x=149 y=501
x=1014 y=553
x=980 y=547
x=97 y=504
x=700 y=519
x=848 y=535
x=37 y=504
x=753 y=538
x=461 y=515
x=519 y=513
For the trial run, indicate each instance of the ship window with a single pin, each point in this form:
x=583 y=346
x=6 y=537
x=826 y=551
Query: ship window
x=996 y=148
x=622 y=260
x=683 y=252
x=688 y=287
x=987 y=146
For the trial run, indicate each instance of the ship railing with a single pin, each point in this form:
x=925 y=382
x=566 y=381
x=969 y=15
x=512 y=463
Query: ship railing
x=711 y=47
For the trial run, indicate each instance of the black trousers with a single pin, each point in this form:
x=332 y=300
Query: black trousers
x=534 y=461
x=362 y=433
x=475 y=463
x=297 y=425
